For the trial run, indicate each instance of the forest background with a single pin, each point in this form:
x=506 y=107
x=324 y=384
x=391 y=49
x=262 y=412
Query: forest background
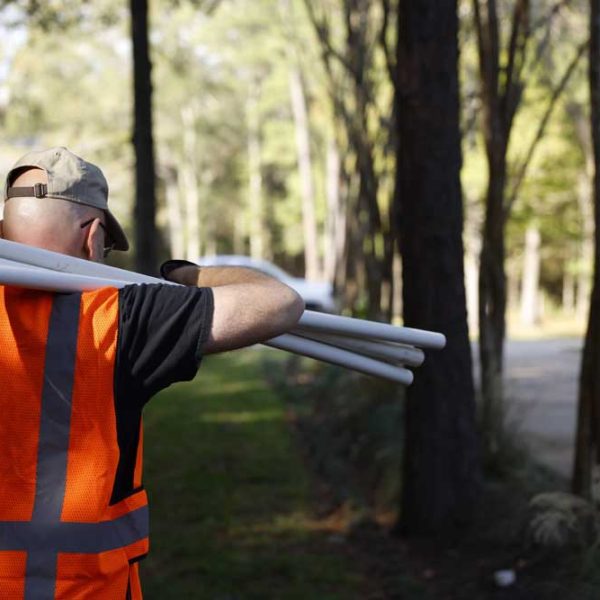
x=329 y=137
x=238 y=91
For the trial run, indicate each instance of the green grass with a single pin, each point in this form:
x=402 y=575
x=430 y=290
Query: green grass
x=230 y=517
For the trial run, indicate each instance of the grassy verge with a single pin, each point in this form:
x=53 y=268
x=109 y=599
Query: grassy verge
x=229 y=496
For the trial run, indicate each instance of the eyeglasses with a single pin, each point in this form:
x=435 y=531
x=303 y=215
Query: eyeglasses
x=107 y=249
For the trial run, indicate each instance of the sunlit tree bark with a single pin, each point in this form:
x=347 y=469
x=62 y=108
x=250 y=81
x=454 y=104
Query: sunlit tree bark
x=335 y=222
x=312 y=260
x=530 y=281
x=189 y=189
x=585 y=202
x=174 y=216
x=307 y=188
x=257 y=229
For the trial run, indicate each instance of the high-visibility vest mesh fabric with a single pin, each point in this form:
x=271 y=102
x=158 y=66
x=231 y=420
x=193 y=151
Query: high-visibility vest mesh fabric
x=59 y=453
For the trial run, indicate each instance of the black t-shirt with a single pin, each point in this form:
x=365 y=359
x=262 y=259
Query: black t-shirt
x=162 y=330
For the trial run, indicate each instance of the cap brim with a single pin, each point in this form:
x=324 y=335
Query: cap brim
x=116 y=232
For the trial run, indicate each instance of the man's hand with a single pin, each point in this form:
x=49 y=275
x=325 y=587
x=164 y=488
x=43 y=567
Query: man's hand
x=250 y=307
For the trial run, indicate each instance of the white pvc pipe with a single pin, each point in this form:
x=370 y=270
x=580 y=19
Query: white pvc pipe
x=340 y=357
x=384 y=350
x=310 y=321
x=35 y=268
x=12 y=273
x=48 y=280
x=313 y=321
x=53 y=281
x=63 y=263
x=17 y=265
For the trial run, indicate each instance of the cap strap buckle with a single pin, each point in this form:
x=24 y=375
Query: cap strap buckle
x=40 y=190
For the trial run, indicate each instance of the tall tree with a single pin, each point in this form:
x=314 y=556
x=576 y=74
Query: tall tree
x=504 y=72
x=312 y=262
x=587 y=451
x=347 y=31
x=143 y=142
x=581 y=128
x=259 y=244
x=441 y=464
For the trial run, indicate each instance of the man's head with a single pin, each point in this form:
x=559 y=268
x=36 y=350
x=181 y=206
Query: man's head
x=57 y=201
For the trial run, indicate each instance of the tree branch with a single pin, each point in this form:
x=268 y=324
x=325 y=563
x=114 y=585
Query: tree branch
x=512 y=45
x=487 y=38
x=321 y=27
x=546 y=20
x=494 y=39
x=389 y=60
x=516 y=60
x=558 y=90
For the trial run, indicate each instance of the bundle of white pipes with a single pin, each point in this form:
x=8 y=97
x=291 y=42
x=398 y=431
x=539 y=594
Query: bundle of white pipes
x=373 y=348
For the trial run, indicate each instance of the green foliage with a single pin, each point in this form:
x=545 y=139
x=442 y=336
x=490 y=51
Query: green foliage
x=65 y=79
x=350 y=426
x=550 y=192
x=70 y=88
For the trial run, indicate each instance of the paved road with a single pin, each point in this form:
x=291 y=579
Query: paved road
x=541 y=393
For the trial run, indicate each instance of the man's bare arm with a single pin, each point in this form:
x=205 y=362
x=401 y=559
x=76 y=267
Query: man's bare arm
x=250 y=307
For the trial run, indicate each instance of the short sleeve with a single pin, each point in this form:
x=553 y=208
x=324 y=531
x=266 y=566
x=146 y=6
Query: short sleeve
x=162 y=331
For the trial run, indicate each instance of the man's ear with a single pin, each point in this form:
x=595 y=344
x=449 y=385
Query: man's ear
x=94 y=242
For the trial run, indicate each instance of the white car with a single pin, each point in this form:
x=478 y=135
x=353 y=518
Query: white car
x=316 y=295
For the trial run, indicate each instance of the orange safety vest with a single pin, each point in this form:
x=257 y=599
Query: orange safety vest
x=63 y=533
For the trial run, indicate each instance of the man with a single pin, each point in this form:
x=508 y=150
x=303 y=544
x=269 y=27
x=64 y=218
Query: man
x=75 y=373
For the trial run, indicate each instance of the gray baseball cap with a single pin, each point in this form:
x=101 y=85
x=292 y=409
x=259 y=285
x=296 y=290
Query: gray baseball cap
x=69 y=178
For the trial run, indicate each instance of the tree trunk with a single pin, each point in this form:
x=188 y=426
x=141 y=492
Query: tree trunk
x=502 y=84
x=586 y=257
x=530 y=301
x=473 y=245
x=585 y=201
x=370 y=226
x=189 y=180
x=145 y=176
x=240 y=233
x=335 y=221
x=568 y=290
x=397 y=308
x=255 y=184
x=353 y=96
x=312 y=263
x=492 y=307
x=587 y=451
x=353 y=267
x=441 y=465
x=307 y=188
x=176 y=229
x=189 y=192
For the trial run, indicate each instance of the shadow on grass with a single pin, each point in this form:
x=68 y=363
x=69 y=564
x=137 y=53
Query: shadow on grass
x=229 y=496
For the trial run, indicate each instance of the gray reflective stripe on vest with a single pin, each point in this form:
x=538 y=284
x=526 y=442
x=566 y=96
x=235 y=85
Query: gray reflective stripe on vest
x=55 y=421
x=46 y=535
x=84 y=538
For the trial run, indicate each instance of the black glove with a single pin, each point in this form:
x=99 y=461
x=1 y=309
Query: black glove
x=170 y=265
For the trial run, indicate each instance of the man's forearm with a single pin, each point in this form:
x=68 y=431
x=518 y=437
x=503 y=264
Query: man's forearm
x=218 y=276
x=249 y=306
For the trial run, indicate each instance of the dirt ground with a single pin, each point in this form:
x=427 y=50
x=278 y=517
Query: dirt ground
x=541 y=391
